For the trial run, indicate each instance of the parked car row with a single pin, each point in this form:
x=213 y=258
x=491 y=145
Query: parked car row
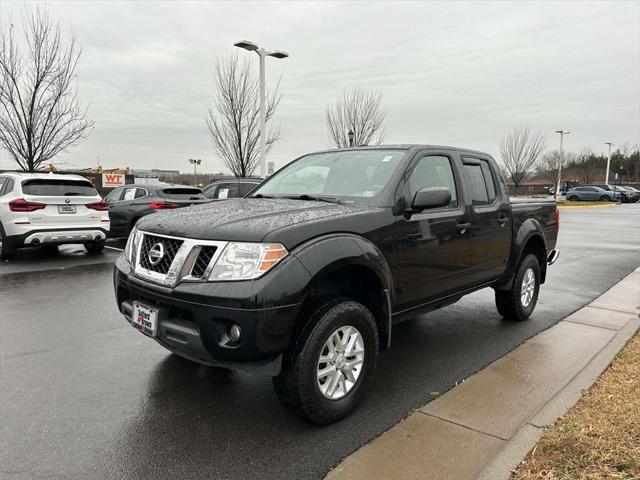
x=48 y=210
x=604 y=192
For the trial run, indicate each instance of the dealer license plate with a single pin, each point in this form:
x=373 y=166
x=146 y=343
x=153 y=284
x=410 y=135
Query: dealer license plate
x=145 y=318
x=66 y=209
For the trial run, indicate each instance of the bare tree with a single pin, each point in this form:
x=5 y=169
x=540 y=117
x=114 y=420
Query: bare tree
x=521 y=148
x=234 y=119
x=359 y=111
x=40 y=114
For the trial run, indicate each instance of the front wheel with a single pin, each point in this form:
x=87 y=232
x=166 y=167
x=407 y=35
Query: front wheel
x=604 y=198
x=519 y=302
x=331 y=358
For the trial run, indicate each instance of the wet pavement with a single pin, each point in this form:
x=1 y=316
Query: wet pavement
x=83 y=395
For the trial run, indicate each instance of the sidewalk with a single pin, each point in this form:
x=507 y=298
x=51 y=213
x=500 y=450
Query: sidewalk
x=485 y=426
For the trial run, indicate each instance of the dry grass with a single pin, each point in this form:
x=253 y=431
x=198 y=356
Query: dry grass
x=599 y=438
x=585 y=203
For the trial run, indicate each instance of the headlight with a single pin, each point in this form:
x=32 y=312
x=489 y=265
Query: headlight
x=132 y=246
x=245 y=261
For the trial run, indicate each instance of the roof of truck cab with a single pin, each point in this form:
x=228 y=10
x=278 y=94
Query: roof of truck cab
x=406 y=146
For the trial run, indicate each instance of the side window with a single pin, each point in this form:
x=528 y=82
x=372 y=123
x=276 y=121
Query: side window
x=129 y=194
x=246 y=188
x=481 y=182
x=3 y=181
x=140 y=192
x=234 y=190
x=114 y=195
x=223 y=191
x=432 y=171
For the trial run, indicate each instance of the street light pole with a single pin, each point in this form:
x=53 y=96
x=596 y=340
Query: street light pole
x=262 y=53
x=562 y=134
x=606 y=175
x=195 y=162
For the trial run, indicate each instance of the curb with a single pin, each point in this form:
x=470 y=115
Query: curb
x=484 y=427
x=606 y=205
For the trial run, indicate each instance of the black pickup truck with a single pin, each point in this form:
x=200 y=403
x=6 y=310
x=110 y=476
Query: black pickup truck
x=304 y=278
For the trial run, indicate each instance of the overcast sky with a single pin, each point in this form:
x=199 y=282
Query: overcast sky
x=452 y=73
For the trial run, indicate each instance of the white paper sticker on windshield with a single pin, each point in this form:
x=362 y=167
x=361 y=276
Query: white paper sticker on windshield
x=387 y=158
x=223 y=192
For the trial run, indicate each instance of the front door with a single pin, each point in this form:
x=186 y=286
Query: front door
x=433 y=245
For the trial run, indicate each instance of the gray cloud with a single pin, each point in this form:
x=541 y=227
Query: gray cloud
x=458 y=73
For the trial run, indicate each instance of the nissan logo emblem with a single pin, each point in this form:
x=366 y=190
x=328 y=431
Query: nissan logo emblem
x=156 y=253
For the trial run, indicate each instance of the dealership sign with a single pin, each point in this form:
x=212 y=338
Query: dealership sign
x=110 y=180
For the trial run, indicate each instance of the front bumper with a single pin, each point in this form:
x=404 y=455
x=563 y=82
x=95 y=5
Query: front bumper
x=195 y=318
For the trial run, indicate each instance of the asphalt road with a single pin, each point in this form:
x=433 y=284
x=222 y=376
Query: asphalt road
x=83 y=395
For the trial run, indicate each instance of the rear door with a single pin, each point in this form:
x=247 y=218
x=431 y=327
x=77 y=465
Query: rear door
x=491 y=220
x=65 y=202
x=433 y=245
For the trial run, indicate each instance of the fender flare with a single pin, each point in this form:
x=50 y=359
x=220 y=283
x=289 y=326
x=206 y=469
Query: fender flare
x=530 y=228
x=321 y=255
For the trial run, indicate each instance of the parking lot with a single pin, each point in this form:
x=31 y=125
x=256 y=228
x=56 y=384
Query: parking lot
x=84 y=395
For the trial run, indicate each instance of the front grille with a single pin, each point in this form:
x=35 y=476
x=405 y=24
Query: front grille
x=170 y=246
x=202 y=261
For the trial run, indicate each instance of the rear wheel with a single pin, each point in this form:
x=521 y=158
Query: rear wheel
x=573 y=198
x=50 y=249
x=331 y=358
x=94 y=247
x=519 y=302
x=7 y=252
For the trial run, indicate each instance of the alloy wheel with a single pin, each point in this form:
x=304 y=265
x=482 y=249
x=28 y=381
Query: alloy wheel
x=340 y=363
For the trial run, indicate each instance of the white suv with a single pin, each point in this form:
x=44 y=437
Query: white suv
x=50 y=209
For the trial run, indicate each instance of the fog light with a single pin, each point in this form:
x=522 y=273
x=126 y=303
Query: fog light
x=234 y=333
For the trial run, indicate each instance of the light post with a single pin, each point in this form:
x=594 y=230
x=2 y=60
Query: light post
x=562 y=134
x=262 y=53
x=606 y=175
x=195 y=162
x=350 y=135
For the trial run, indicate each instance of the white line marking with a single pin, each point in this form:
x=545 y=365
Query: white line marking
x=114 y=248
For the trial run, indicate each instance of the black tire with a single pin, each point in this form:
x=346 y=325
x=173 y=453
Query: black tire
x=94 y=247
x=604 y=198
x=7 y=252
x=297 y=385
x=573 y=198
x=509 y=302
x=50 y=249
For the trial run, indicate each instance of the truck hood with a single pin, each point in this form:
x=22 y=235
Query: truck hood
x=244 y=219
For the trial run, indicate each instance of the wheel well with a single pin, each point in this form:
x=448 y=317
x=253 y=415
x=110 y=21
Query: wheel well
x=360 y=284
x=536 y=246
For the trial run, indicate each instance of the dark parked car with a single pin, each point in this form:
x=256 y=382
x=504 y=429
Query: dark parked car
x=304 y=279
x=625 y=196
x=231 y=187
x=592 y=193
x=130 y=203
x=633 y=191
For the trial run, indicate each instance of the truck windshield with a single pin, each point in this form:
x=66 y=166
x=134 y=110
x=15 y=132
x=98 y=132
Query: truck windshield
x=349 y=173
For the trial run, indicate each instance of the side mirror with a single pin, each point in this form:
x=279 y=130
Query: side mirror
x=431 y=197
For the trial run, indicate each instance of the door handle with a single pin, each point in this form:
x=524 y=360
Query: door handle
x=462 y=227
x=503 y=220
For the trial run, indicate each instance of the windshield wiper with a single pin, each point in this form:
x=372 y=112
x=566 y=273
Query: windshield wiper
x=316 y=198
x=259 y=195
